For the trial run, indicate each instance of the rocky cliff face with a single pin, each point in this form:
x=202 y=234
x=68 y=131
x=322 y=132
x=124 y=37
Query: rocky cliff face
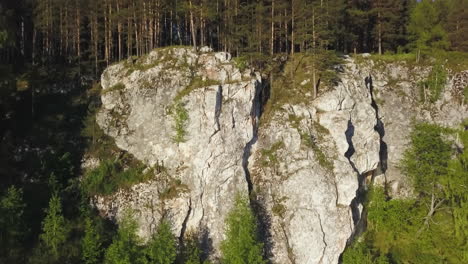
x=202 y=156
x=195 y=116
x=397 y=93
x=310 y=181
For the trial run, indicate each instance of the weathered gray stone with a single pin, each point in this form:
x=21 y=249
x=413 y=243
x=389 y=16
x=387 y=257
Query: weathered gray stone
x=208 y=162
x=305 y=164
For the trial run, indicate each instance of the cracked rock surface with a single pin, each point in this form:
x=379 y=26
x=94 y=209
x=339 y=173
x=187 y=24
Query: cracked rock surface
x=310 y=184
x=305 y=167
x=208 y=164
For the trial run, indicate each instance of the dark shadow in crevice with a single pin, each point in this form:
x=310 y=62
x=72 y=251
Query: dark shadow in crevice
x=379 y=127
x=264 y=225
x=358 y=199
x=262 y=94
x=206 y=244
x=184 y=224
x=218 y=110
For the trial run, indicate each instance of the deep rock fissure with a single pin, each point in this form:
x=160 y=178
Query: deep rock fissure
x=379 y=128
x=184 y=224
x=258 y=102
x=360 y=219
x=218 y=109
x=323 y=238
x=264 y=222
x=358 y=199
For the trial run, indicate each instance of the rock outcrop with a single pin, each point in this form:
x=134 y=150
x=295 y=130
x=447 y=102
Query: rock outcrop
x=204 y=166
x=310 y=181
x=397 y=92
x=195 y=116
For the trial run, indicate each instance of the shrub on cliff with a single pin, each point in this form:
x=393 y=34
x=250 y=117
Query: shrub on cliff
x=125 y=247
x=111 y=175
x=242 y=245
x=162 y=247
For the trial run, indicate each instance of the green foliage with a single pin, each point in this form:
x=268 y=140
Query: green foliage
x=426 y=160
x=117 y=87
x=174 y=187
x=111 y=175
x=357 y=254
x=192 y=252
x=392 y=58
x=241 y=62
x=162 y=248
x=99 y=145
x=323 y=160
x=269 y=156
x=402 y=230
x=291 y=80
x=3 y=38
x=431 y=88
x=12 y=225
x=125 y=247
x=242 y=245
x=181 y=118
x=142 y=63
x=54 y=227
x=195 y=83
x=456 y=191
x=91 y=244
x=465 y=94
x=426 y=28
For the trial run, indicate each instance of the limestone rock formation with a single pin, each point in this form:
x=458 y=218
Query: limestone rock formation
x=310 y=180
x=203 y=155
x=397 y=92
x=195 y=116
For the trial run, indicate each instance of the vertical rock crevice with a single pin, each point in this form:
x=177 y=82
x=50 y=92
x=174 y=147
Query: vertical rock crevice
x=358 y=199
x=258 y=206
x=323 y=237
x=184 y=223
x=259 y=100
x=218 y=109
x=379 y=127
x=360 y=218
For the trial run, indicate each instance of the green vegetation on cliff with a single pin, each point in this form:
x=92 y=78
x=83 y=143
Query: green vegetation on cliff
x=53 y=52
x=111 y=175
x=431 y=226
x=242 y=245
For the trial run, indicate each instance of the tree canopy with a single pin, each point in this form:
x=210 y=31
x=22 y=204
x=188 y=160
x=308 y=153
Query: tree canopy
x=241 y=245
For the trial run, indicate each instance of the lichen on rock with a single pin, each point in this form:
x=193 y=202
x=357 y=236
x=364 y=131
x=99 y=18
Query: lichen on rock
x=306 y=167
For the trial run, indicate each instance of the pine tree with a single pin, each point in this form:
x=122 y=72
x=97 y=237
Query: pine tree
x=457 y=25
x=125 y=245
x=426 y=29
x=162 y=248
x=387 y=15
x=242 y=245
x=12 y=228
x=426 y=162
x=358 y=27
x=91 y=243
x=456 y=191
x=192 y=252
x=54 y=229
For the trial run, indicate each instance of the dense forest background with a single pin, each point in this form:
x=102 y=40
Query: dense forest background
x=96 y=33
x=53 y=51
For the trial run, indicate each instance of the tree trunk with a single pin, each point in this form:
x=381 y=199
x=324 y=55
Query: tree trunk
x=292 y=27
x=192 y=26
x=272 y=40
x=380 y=32
x=106 y=35
x=119 y=32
